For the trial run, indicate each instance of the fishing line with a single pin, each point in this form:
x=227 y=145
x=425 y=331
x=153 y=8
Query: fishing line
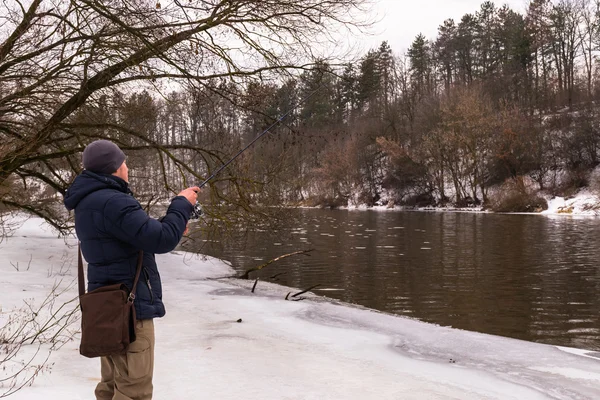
x=197 y=209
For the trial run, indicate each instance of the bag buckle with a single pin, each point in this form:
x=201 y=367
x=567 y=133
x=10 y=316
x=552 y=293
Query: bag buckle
x=131 y=297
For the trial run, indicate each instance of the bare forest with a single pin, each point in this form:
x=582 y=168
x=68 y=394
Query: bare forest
x=494 y=109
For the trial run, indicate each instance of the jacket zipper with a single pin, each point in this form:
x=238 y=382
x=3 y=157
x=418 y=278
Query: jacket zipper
x=149 y=286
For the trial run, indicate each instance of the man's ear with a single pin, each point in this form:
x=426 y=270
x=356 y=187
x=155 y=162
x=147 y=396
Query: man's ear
x=119 y=170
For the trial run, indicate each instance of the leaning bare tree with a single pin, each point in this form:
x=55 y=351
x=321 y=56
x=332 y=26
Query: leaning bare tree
x=61 y=58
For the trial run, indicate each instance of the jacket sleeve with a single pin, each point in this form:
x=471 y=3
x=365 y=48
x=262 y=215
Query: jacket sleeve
x=127 y=221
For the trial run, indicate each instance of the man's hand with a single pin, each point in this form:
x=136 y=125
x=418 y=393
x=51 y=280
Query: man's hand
x=187 y=229
x=191 y=194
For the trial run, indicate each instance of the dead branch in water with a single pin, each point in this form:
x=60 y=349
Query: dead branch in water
x=245 y=274
x=287 y=297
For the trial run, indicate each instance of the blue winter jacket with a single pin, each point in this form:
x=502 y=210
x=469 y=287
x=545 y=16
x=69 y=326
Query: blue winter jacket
x=113 y=227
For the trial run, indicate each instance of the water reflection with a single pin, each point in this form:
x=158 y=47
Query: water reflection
x=523 y=276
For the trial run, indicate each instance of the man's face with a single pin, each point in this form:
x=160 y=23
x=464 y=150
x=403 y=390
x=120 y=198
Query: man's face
x=123 y=172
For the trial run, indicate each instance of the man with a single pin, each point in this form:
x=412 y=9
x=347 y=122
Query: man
x=112 y=227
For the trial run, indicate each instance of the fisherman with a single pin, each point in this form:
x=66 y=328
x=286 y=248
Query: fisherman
x=112 y=227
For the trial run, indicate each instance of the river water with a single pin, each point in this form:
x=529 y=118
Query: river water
x=529 y=277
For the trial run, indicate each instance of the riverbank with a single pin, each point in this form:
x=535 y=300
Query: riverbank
x=312 y=349
x=584 y=203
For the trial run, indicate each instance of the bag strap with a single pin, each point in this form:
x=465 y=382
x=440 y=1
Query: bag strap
x=81 y=283
x=137 y=276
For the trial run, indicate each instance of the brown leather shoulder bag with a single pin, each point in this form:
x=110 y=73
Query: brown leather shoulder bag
x=107 y=315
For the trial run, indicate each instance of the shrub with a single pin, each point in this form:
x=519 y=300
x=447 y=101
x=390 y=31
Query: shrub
x=420 y=200
x=513 y=199
x=324 y=201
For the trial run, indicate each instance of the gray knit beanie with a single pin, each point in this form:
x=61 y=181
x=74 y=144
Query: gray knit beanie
x=103 y=157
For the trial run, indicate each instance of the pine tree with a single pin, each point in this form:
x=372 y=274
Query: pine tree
x=420 y=58
x=445 y=51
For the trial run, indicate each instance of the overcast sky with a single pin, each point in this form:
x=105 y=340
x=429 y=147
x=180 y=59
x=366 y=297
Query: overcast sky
x=400 y=21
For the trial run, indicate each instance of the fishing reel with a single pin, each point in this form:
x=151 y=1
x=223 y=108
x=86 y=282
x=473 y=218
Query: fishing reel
x=197 y=211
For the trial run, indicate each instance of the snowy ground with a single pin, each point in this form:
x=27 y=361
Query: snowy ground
x=585 y=203
x=312 y=349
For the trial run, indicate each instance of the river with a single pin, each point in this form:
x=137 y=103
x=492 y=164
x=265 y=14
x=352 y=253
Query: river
x=529 y=277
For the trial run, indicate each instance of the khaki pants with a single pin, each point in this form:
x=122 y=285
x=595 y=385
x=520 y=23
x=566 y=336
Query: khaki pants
x=129 y=376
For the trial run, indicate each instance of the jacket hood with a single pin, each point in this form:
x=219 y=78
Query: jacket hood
x=88 y=182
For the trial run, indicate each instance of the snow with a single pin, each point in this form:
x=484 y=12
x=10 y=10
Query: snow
x=584 y=203
x=311 y=349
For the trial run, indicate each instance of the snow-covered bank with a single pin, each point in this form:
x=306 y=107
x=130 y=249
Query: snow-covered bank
x=582 y=204
x=406 y=208
x=313 y=349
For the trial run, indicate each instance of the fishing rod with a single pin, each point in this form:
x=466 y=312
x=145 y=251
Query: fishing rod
x=197 y=209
